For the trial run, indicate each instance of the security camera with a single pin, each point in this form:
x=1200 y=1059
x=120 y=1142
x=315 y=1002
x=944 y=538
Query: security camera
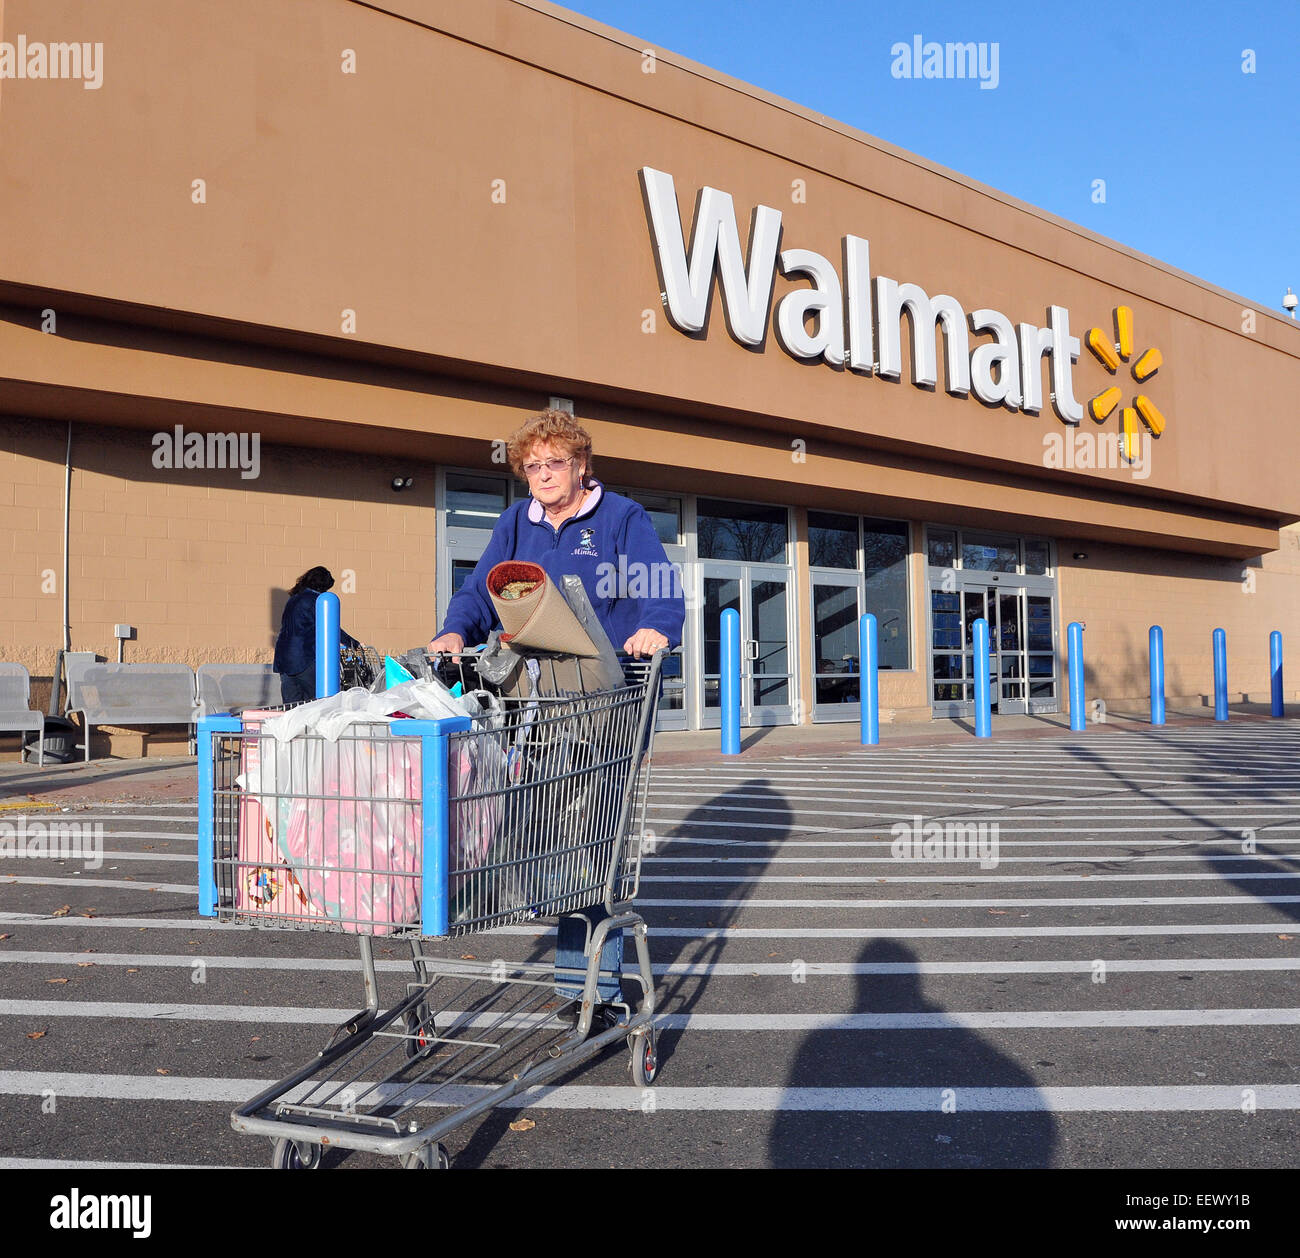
x=1289 y=303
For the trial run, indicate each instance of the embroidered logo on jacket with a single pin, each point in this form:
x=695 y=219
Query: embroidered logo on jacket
x=586 y=543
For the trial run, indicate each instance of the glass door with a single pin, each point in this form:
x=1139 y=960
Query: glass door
x=837 y=673
x=1010 y=646
x=762 y=597
x=1040 y=643
x=979 y=601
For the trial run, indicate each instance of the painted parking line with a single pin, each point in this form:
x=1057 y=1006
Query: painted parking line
x=731 y=932
x=176 y=888
x=711 y=969
x=812 y=879
x=65 y=1164
x=927 y=1020
x=970 y=1100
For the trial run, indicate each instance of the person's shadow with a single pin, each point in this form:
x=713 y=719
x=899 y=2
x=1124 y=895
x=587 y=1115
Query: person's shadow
x=912 y=1097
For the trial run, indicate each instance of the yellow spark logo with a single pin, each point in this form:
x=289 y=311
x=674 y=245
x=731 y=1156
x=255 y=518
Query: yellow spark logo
x=1110 y=354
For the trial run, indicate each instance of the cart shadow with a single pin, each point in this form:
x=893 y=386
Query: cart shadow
x=677 y=989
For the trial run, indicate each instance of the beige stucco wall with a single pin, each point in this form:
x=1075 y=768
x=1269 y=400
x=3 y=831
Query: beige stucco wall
x=200 y=562
x=1119 y=592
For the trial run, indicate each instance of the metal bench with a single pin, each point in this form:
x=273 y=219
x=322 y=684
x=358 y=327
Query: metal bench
x=15 y=710
x=234 y=687
x=132 y=694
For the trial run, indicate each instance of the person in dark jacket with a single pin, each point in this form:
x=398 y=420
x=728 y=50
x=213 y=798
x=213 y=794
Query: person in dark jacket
x=571 y=524
x=295 y=647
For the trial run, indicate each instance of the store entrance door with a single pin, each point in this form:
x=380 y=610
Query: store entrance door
x=762 y=596
x=1004 y=608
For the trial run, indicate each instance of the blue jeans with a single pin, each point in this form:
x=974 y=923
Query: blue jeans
x=298 y=687
x=571 y=957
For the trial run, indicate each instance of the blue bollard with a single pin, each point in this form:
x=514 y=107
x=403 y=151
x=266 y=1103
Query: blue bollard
x=869 y=682
x=1156 y=640
x=983 y=717
x=1074 y=644
x=730 y=682
x=1220 y=675
x=327 y=644
x=1275 y=671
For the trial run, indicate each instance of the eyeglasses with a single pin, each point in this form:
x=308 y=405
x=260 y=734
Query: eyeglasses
x=556 y=466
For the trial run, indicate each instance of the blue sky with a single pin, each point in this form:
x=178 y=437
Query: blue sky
x=1199 y=158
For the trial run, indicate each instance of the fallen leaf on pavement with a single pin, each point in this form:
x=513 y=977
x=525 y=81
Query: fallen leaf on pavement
x=1286 y=936
x=56 y=980
x=62 y=912
x=523 y=1124
x=133 y=971
x=999 y=912
x=81 y=965
x=161 y=1071
x=6 y=936
x=35 y=1035
x=468 y=956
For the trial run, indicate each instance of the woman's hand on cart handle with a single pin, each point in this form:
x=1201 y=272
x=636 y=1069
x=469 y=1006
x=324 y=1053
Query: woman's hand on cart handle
x=450 y=643
x=645 y=642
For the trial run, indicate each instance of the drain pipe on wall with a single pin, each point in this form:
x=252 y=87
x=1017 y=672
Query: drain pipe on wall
x=67 y=512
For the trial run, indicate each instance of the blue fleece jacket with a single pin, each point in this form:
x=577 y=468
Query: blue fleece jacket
x=295 y=645
x=610 y=544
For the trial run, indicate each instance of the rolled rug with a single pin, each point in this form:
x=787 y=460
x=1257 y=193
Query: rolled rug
x=533 y=612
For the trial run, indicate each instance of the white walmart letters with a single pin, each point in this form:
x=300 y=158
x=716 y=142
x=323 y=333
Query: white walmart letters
x=1006 y=372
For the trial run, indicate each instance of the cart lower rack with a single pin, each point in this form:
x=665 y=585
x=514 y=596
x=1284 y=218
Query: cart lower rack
x=431 y=830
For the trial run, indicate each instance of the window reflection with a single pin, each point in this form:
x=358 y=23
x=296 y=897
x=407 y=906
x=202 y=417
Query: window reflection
x=745 y=531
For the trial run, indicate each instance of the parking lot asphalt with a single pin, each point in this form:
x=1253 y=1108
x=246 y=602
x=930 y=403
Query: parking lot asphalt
x=1072 y=950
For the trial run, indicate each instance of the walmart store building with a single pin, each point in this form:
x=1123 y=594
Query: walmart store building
x=368 y=241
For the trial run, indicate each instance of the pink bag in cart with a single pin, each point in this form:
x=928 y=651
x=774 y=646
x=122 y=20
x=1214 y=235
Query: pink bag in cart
x=344 y=813
x=265 y=883
x=355 y=841
x=360 y=860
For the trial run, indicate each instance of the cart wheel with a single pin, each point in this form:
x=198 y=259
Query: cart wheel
x=420 y=1026
x=645 y=1058
x=295 y=1155
x=431 y=1157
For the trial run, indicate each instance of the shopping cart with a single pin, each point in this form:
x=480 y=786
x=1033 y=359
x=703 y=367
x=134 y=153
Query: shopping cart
x=532 y=809
x=360 y=666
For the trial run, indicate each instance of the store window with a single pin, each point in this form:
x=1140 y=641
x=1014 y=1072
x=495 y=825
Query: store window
x=988 y=552
x=748 y=532
x=832 y=540
x=884 y=566
x=475 y=502
x=665 y=514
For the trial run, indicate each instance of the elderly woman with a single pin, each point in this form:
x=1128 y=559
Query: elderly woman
x=571 y=524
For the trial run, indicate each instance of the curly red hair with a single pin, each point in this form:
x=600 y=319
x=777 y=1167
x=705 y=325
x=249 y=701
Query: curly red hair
x=560 y=429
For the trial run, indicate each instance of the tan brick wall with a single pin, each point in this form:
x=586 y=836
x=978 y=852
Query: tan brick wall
x=200 y=561
x=1119 y=592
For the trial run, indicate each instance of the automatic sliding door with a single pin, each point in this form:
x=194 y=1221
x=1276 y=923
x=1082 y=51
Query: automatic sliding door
x=1011 y=651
